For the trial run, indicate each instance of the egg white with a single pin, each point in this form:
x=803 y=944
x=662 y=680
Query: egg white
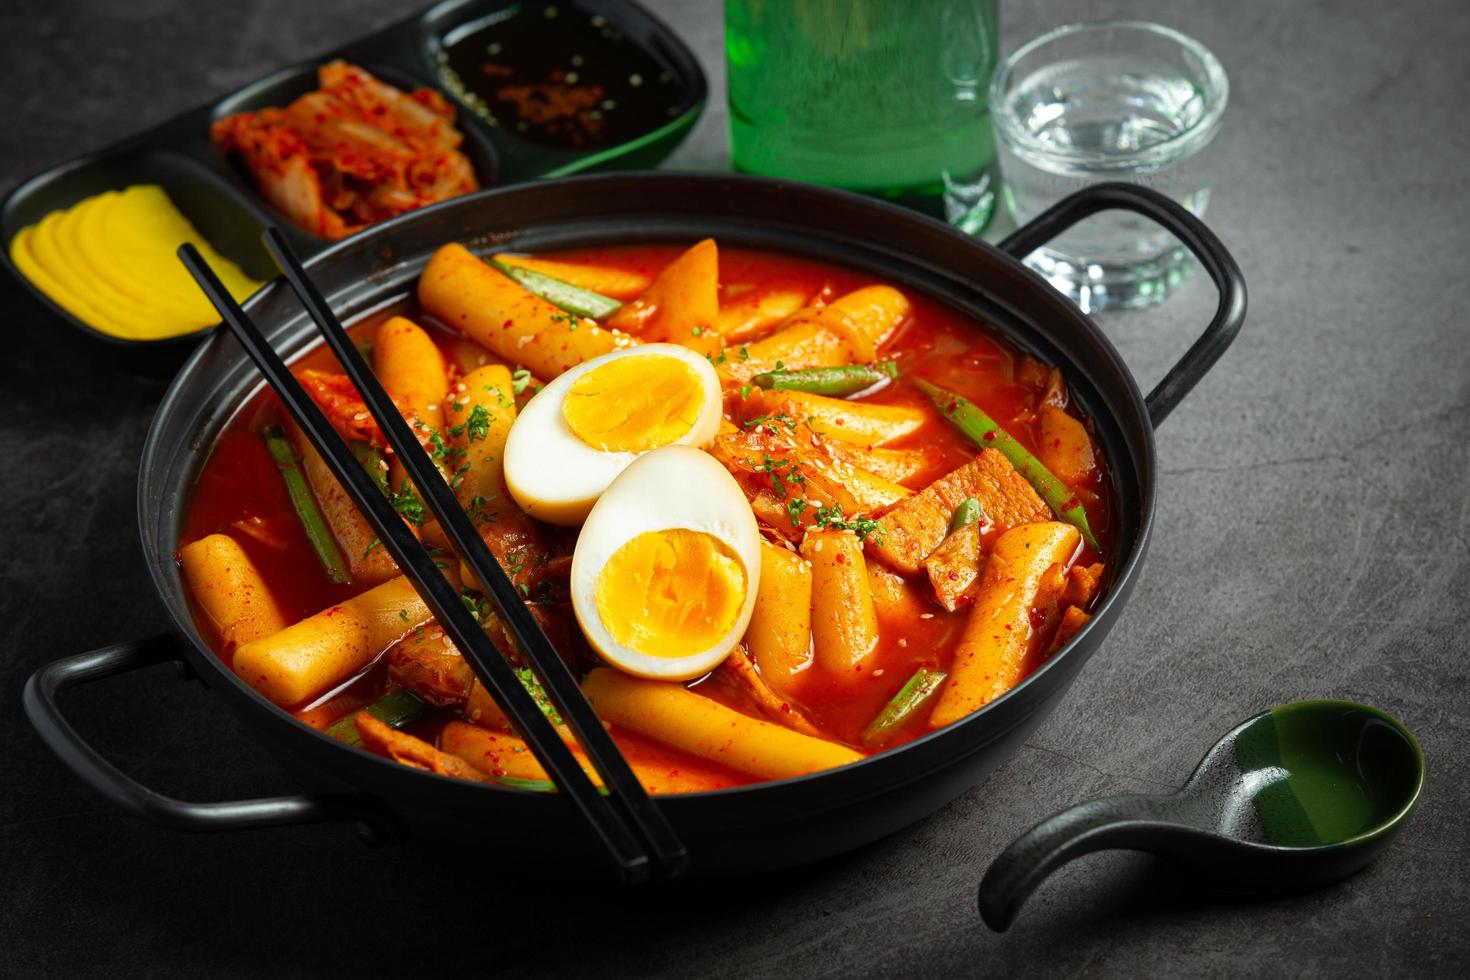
x=555 y=476
x=674 y=487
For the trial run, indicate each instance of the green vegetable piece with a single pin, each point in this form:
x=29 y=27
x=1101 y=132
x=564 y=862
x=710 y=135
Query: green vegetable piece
x=573 y=299
x=535 y=785
x=538 y=694
x=968 y=512
x=401 y=707
x=904 y=705
x=984 y=431
x=306 y=507
x=834 y=381
x=374 y=462
x=405 y=500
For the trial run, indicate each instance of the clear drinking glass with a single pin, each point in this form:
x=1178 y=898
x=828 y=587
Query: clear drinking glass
x=1113 y=100
x=869 y=95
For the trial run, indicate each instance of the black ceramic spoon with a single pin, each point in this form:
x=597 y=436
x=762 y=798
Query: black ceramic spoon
x=1296 y=797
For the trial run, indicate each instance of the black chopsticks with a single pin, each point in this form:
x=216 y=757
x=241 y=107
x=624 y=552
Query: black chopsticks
x=631 y=827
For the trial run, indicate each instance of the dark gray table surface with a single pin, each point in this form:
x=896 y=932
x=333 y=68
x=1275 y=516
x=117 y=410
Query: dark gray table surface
x=1313 y=540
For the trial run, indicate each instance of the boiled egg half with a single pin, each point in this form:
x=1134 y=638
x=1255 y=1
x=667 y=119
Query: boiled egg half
x=665 y=569
x=584 y=428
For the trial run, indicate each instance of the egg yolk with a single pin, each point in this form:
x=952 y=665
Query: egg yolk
x=634 y=403
x=670 y=593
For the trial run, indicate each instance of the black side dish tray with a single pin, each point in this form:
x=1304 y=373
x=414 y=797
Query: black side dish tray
x=220 y=199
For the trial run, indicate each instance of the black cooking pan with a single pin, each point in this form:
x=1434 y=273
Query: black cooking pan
x=748 y=829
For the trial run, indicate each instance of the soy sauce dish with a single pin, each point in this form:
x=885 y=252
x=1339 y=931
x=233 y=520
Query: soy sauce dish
x=564 y=79
x=816 y=395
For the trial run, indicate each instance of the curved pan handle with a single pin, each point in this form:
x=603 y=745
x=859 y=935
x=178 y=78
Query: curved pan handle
x=1116 y=821
x=40 y=699
x=1184 y=226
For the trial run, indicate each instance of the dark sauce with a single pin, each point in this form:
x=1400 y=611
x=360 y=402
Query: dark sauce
x=554 y=74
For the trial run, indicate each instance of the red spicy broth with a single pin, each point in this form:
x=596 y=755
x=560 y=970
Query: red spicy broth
x=239 y=491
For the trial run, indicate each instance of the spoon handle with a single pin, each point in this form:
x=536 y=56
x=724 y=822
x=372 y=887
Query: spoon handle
x=1115 y=821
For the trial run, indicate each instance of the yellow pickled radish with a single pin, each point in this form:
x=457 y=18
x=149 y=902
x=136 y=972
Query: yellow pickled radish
x=110 y=260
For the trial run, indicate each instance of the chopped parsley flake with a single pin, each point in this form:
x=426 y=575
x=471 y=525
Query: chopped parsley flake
x=772 y=423
x=830 y=518
x=477 y=425
x=780 y=472
x=478 y=606
x=409 y=507
x=477 y=513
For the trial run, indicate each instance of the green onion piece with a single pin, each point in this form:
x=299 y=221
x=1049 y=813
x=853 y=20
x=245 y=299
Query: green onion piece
x=984 y=431
x=834 y=381
x=905 y=704
x=374 y=462
x=538 y=694
x=535 y=785
x=401 y=707
x=573 y=299
x=307 y=510
x=968 y=512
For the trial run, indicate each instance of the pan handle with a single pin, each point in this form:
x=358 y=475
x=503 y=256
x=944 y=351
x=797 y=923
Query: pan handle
x=1190 y=230
x=42 y=709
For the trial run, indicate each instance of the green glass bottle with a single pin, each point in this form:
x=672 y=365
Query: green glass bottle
x=875 y=96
